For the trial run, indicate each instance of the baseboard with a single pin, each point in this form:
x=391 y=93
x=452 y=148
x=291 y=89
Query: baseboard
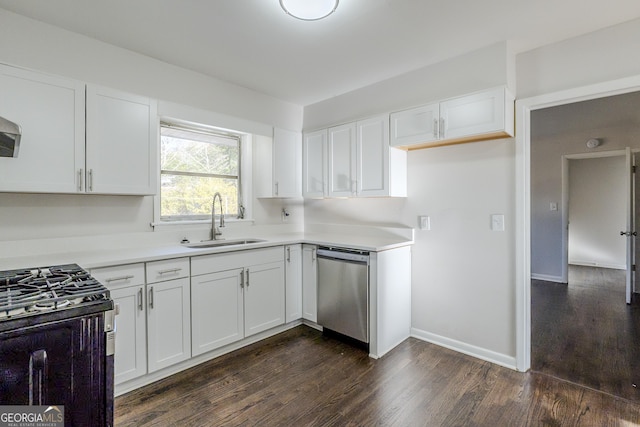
x=598 y=264
x=547 y=278
x=468 y=349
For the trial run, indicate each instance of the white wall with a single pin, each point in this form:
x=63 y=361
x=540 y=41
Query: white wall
x=547 y=148
x=31 y=44
x=597 y=211
x=462 y=273
x=600 y=56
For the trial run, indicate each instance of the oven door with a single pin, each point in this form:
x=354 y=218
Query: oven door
x=58 y=363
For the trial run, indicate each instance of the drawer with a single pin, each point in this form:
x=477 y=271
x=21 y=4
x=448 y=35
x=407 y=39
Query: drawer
x=205 y=264
x=168 y=269
x=120 y=276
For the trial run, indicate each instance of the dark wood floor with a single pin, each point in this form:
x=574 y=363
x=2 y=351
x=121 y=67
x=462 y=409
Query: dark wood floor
x=585 y=333
x=301 y=378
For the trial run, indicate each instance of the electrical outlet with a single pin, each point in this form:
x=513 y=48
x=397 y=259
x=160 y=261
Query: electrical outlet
x=497 y=222
x=424 y=222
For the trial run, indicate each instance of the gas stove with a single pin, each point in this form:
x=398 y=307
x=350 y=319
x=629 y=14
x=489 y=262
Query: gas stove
x=32 y=292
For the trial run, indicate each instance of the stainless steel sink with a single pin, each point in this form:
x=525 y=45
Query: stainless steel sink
x=219 y=243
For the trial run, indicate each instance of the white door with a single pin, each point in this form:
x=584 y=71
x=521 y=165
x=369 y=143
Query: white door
x=263 y=297
x=131 y=349
x=314 y=164
x=121 y=142
x=169 y=323
x=342 y=160
x=630 y=231
x=636 y=215
x=373 y=157
x=216 y=310
x=50 y=111
x=287 y=163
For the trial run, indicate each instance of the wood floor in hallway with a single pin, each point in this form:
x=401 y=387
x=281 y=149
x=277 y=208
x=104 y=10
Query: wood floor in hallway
x=302 y=378
x=584 y=332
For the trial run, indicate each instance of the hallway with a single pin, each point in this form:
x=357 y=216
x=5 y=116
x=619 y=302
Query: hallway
x=584 y=332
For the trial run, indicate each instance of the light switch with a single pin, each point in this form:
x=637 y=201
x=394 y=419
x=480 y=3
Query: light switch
x=553 y=206
x=497 y=222
x=425 y=222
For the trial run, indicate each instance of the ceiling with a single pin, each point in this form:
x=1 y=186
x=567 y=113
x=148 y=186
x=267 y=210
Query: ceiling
x=253 y=43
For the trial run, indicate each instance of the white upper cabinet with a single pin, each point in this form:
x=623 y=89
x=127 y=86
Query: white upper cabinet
x=50 y=111
x=104 y=145
x=314 y=160
x=341 y=153
x=278 y=164
x=121 y=142
x=479 y=116
x=415 y=126
x=362 y=164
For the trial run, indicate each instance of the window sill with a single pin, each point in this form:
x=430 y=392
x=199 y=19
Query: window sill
x=206 y=222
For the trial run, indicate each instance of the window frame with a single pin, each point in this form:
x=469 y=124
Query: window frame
x=243 y=141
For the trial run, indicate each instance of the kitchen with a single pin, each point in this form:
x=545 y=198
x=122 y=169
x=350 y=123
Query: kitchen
x=475 y=316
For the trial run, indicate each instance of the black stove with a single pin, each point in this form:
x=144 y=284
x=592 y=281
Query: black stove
x=57 y=343
x=55 y=292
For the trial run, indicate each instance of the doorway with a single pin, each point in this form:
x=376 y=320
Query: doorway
x=526 y=206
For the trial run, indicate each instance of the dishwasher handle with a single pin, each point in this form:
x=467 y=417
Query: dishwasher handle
x=345 y=255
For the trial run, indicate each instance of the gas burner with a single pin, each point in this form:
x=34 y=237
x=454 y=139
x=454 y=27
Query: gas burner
x=30 y=291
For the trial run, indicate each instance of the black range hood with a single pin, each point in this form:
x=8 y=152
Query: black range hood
x=10 y=134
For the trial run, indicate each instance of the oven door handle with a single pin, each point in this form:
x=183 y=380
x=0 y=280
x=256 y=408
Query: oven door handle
x=38 y=377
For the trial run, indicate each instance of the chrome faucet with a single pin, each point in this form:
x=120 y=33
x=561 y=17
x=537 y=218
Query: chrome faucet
x=215 y=231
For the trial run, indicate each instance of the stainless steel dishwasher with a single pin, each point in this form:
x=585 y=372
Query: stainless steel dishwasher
x=343 y=292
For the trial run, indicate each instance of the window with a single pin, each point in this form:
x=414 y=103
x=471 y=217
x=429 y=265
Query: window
x=194 y=165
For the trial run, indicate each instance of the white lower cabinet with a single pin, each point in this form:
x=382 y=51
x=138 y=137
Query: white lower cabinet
x=309 y=283
x=217 y=310
x=293 y=280
x=168 y=314
x=126 y=284
x=236 y=296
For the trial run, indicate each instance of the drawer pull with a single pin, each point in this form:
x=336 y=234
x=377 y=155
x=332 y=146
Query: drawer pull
x=117 y=279
x=170 y=270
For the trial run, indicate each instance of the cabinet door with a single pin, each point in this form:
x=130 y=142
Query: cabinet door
x=293 y=278
x=217 y=310
x=373 y=157
x=342 y=160
x=287 y=163
x=50 y=111
x=314 y=164
x=121 y=142
x=309 y=283
x=473 y=114
x=131 y=338
x=263 y=297
x=415 y=126
x=169 y=324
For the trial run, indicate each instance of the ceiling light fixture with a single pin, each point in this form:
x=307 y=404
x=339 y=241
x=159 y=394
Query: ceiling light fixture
x=309 y=10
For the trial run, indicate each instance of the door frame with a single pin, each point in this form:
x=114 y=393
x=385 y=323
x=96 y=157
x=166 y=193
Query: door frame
x=524 y=107
x=565 y=199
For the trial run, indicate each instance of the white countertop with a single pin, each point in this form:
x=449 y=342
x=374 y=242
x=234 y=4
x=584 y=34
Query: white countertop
x=95 y=254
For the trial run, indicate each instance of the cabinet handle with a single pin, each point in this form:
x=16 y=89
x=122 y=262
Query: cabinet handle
x=247 y=277
x=435 y=128
x=242 y=278
x=38 y=377
x=117 y=279
x=90 y=179
x=170 y=270
x=441 y=127
x=80 y=180
x=140 y=307
x=151 y=297
x=288 y=254
x=277 y=188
